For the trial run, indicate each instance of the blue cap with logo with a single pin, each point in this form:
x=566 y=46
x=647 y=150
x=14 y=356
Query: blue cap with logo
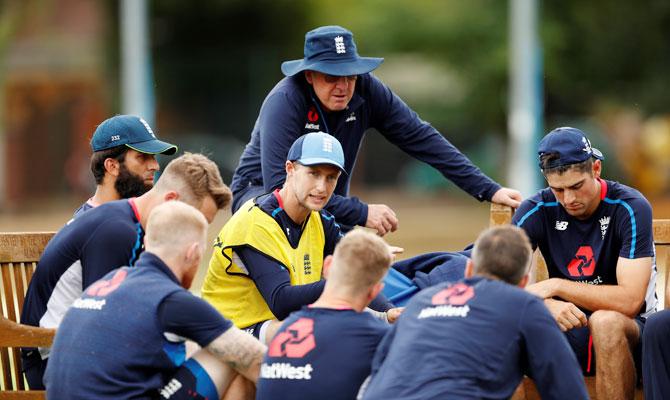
x=331 y=50
x=570 y=145
x=317 y=148
x=131 y=131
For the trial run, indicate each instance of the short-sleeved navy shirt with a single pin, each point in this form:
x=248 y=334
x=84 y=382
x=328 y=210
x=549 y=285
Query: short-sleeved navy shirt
x=321 y=354
x=124 y=338
x=588 y=250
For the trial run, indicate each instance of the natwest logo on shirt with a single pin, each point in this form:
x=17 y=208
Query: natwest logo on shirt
x=450 y=302
x=286 y=371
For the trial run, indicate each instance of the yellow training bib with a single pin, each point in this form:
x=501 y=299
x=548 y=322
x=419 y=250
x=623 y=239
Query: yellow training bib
x=227 y=284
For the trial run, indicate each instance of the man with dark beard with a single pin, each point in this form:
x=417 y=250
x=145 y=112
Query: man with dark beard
x=124 y=159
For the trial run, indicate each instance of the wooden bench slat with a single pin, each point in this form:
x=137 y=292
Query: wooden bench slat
x=19 y=253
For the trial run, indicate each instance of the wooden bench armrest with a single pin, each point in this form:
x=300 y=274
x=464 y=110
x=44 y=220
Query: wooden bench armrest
x=18 y=335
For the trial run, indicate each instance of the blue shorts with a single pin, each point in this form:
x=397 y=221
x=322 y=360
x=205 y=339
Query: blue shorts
x=190 y=382
x=582 y=344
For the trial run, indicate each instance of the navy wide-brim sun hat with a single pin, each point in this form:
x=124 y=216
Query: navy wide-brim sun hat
x=331 y=50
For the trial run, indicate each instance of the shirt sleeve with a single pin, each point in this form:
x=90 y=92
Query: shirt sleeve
x=635 y=229
x=274 y=283
x=112 y=245
x=403 y=127
x=550 y=360
x=527 y=218
x=191 y=317
x=349 y=210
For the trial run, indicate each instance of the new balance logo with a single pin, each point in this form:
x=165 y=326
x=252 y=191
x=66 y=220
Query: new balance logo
x=604 y=224
x=561 y=225
x=339 y=45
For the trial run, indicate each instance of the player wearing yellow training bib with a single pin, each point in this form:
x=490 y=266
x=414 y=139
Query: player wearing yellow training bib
x=268 y=258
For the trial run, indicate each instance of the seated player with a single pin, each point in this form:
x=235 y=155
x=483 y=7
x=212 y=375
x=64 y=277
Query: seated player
x=330 y=343
x=476 y=338
x=268 y=258
x=124 y=338
x=596 y=238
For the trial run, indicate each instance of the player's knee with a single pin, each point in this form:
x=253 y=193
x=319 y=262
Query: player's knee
x=607 y=326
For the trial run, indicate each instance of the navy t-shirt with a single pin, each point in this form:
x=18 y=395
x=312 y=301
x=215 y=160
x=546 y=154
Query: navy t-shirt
x=83 y=251
x=124 y=338
x=320 y=354
x=588 y=250
x=474 y=339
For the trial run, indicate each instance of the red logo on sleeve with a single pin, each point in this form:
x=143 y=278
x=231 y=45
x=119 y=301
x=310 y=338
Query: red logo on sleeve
x=294 y=342
x=583 y=264
x=456 y=295
x=103 y=287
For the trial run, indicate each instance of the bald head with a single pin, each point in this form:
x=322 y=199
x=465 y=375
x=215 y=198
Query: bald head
x=174 y=229
x=360 y=261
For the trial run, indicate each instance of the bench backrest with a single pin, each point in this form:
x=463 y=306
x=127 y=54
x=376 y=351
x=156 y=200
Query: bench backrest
x=503 y=215
x=19 y=254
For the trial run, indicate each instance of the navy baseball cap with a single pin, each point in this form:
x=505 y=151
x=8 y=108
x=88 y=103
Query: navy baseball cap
x=317 y=148
x=331 y=50
x=570 y=144
x=131 y=131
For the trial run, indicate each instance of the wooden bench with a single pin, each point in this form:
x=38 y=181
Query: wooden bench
x=19 y=253
x=503 y=215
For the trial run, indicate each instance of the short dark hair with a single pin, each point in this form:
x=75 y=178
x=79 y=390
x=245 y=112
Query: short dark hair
x=502 y=252
x=98 y=161
x=548 y=158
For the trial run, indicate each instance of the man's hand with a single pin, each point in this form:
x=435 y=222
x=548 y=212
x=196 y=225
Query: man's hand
x=381 y=218
x=393 y=314
x=507 y=197
x=544 y=289
x=567 y=315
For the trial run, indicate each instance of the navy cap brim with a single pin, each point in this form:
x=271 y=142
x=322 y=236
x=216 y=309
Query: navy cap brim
x=362 y=65
x=321 y=161
x=154 y=147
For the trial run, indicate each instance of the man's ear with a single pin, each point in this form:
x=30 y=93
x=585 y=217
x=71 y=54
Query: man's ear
x=325 y=269
x=523 y=282
x=194 y=253
x=171 y=195
x=597 y=168
x=289 y=167
x=112 y=166
x=374 y=291
x=309 y=77
x=469 y=268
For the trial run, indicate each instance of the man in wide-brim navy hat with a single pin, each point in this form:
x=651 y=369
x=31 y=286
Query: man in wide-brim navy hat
x=332 y=90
